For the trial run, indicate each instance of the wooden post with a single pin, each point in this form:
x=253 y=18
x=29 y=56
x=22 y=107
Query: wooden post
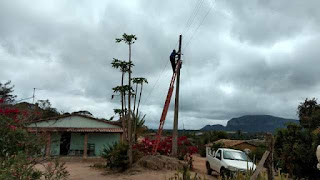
x=48 y=146
x=260 y=166
x=85 y=146
x=176 y=107
x=269 y=162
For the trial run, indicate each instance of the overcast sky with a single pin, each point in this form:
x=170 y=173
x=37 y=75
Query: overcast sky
x=240 y=57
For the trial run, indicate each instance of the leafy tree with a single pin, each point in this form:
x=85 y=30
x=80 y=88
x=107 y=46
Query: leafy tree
x=208 y=137
x=21 y=150
x=6 y=93
x=124 y=68
x=129 y=39
x=44 y=104
x=118 y=111
x=139 y=128
x=295 y=146
x=309 y=114
x=137 y=81
x=295 y=149
x=123 y=90
x=84 y=113
x=48 y=111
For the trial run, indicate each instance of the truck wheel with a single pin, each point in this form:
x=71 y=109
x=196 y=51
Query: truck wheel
x=209 y=170
x=223 y=173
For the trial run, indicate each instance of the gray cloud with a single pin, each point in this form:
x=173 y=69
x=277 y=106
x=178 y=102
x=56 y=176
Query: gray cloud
x=248 y=57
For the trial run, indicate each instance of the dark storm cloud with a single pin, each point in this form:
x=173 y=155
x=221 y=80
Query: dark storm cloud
x=247 y=57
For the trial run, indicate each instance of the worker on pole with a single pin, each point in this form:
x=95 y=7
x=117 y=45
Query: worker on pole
x=173 y=60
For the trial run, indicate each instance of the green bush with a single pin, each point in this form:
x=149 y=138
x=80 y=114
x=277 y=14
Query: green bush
x=116 y=156
x=17 y=167
x=202 y=150
x=55 y=171
x=295 y=149
x=258 y=153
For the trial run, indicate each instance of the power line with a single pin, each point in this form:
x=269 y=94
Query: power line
x=194 y=32
x=193 y=15
x=187 y=27
x=160 y=75
x=24 y=99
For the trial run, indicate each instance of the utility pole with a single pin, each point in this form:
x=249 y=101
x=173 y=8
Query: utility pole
x=176 y=106
x=34 y=92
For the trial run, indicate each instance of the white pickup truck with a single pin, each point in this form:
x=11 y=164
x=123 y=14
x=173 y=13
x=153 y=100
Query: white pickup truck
x=227 y=161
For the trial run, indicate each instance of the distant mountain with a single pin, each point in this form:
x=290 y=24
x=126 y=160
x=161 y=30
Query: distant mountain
x=216 y=127
x=251 y=123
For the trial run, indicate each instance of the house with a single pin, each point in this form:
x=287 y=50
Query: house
x=76 y=135
x=236 y=144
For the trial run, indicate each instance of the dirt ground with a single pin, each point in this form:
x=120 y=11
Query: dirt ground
x=199 y=166
x=82 y=170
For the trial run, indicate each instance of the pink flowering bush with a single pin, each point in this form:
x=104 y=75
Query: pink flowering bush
x=20 y=151
x=184 y=147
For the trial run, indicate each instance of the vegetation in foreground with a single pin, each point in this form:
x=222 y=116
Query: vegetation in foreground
x=20 y=150
x=295 y=146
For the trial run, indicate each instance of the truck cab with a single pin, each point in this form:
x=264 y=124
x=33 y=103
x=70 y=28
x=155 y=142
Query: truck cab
x=227 y=161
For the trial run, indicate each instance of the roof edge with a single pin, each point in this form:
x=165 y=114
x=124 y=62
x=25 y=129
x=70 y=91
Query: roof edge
x=70 y=115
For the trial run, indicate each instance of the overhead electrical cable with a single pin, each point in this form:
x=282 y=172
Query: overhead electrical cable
x=160 y=75
x=194 y=32
x=193 y=16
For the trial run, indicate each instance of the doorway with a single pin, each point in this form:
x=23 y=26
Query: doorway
x=65 y=143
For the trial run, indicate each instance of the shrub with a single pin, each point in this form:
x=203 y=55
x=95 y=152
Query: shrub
x=185 y=148
x=295 y=149
x=116 y=156
x=20 y=150
x=258 y=152
x=17 y=167
x=55 y=170
x=165 y=145
x=202 y=150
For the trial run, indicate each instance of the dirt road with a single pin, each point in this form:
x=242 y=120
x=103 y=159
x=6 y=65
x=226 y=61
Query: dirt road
x=199 y=166
x=83 y=171
x=80 y=170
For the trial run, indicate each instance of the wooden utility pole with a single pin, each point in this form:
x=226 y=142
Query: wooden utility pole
x=176 y=106
x=269 y=162
x=34 y=91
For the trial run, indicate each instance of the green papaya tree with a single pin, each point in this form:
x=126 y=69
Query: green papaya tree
x=129 y=39
x=124 y=68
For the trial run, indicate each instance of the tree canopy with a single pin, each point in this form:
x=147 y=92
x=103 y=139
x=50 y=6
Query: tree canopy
x=6 y=91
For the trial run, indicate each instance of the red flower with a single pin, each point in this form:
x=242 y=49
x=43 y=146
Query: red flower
x=12 y=127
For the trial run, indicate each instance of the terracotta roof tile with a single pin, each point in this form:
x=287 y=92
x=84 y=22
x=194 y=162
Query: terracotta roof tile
x=117 y=123
x=229 y=143
x=55 y=129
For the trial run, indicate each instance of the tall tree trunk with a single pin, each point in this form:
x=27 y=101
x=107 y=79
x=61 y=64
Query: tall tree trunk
x=139 y=98
x=125 y=115
x=125 y=103
x=122 y=96
x=134 y=114
x=135 y=97
x=129 y=113
x=123 y=118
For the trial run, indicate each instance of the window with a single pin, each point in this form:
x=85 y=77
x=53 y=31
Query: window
x=218 y=155
x=234 y=155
